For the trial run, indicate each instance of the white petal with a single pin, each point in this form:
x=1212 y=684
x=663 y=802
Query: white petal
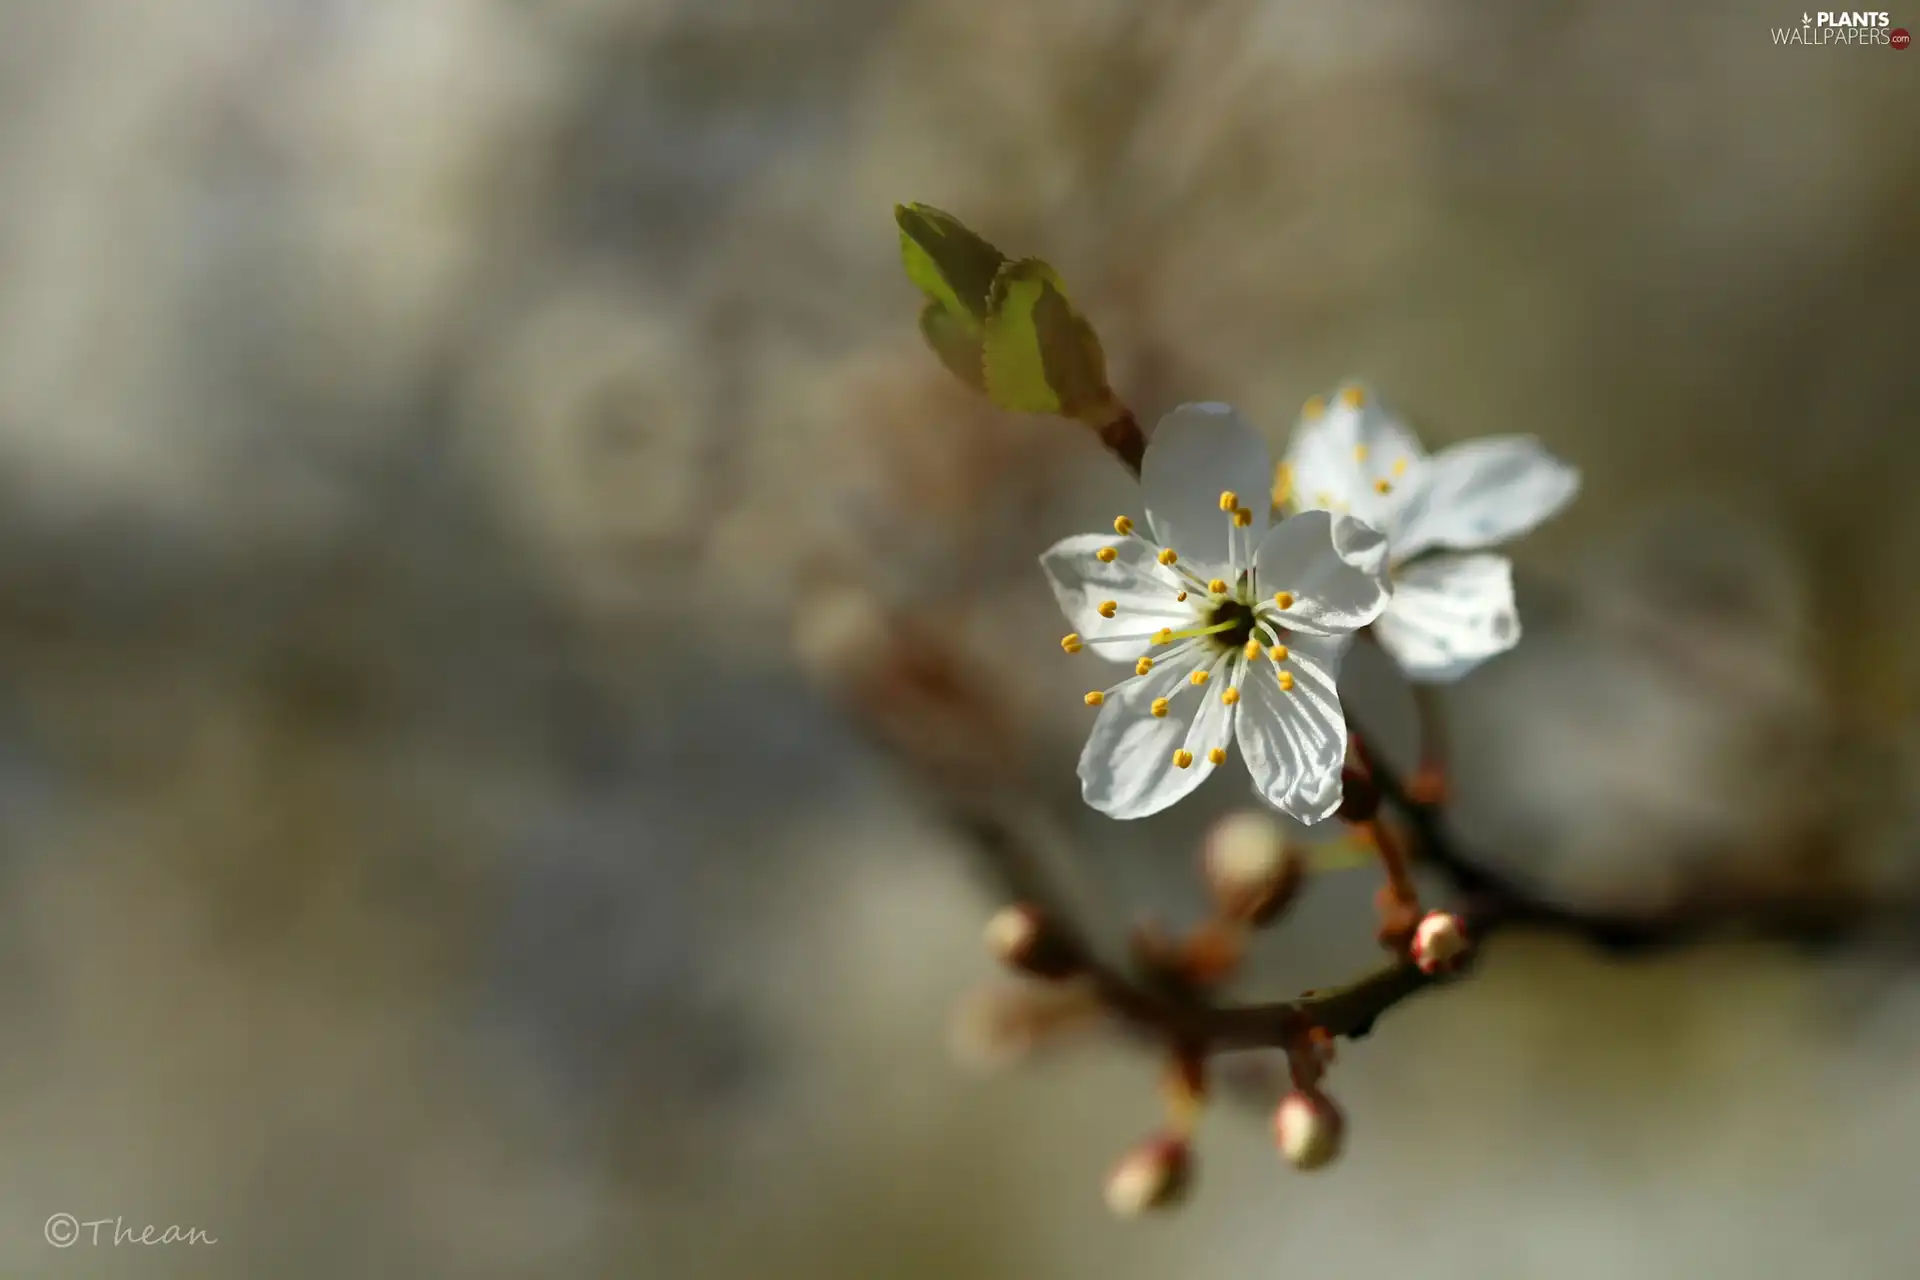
x=1143 y=590
x=1334 y=567
x=1295 y=740
x=1127 y=768
x=1450 y=613
x=1198 y=452
x=1355 y=461
x=1480 y=493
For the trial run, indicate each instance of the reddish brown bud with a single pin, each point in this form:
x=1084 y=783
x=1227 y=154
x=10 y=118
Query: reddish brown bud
x=1439 y=943
x=1154 y=1175
x=1252 y=872
x=1309 y=1129
x=1020 y=938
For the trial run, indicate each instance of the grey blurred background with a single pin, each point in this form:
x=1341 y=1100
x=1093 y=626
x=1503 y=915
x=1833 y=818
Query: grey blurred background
x=421 y=420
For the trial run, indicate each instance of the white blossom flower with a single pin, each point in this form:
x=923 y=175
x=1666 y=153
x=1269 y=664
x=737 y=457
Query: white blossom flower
x=1235 y=631
x=1452 y=605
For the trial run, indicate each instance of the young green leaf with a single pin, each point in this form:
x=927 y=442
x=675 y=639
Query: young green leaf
x=956 y=341
x=949 y=263
x=1041 y=356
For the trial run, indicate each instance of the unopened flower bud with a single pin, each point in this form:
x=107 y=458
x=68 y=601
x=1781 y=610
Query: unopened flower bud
x=1439 y=942
x=1019 y=937
x=1308 y=1128
x=1154 y=1175
x=1251 y=870
x=1359 y=796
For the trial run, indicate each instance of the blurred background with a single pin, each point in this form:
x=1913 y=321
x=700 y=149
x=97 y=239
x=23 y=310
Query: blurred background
x=422 y=423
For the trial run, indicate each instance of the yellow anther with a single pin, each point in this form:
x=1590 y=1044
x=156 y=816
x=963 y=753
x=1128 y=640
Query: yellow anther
x=1216 y=755
x=1168 y=555
x=1229 y=500
x=1282 y=484
x=1353 y=397
x=1159 y=708
x=1252 y=650
x=1284 y=599
x=1163 y=636
x=1323 y=499
x=1313 y=408
x=1381 y=486
x=1122 y=526
x=1107 y=555
x=1181 y=596
x=1197 y=678
x=1107 y=608
x=1071 y=642
x=1218 y=586
x=1242 y=517
x=1229 y=696
x=1286 y=682
x=1182 y=758
x=1359 y=453
x=1399 y=466
x=1278 y=653
x=1143 y=666
x=1095 y=698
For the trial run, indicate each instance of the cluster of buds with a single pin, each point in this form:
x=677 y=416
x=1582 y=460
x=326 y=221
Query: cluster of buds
x=1253 y=874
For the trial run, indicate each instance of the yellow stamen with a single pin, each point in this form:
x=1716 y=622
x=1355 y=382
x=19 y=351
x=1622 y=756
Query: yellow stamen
x=1143 y=666
x=1122 y=526
x=1218 y=586
x=1071 y=642
x=1159 y=708
x=1107 y=608
x=1381 y=486
x=1182 y=758
x=1252 y=650
x=1282 y=484
x=1400 y=466
x=1197 y=679
x=1163 y=636
x=1095 y=698
x=1242 y=517
x=1229 y=499
x=1286 y=681
x=1284 y=599
x=1216 y=755
x=1359 y=453
x=1313 y=408
x=1353 y=397
x=1229 y=696
x=1106 y=555
x=1181 y=596
x=1278 y=653
x=1168 y=555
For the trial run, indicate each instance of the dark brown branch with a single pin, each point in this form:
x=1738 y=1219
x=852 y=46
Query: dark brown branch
x=1183 y=1017
x=1491 y=900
